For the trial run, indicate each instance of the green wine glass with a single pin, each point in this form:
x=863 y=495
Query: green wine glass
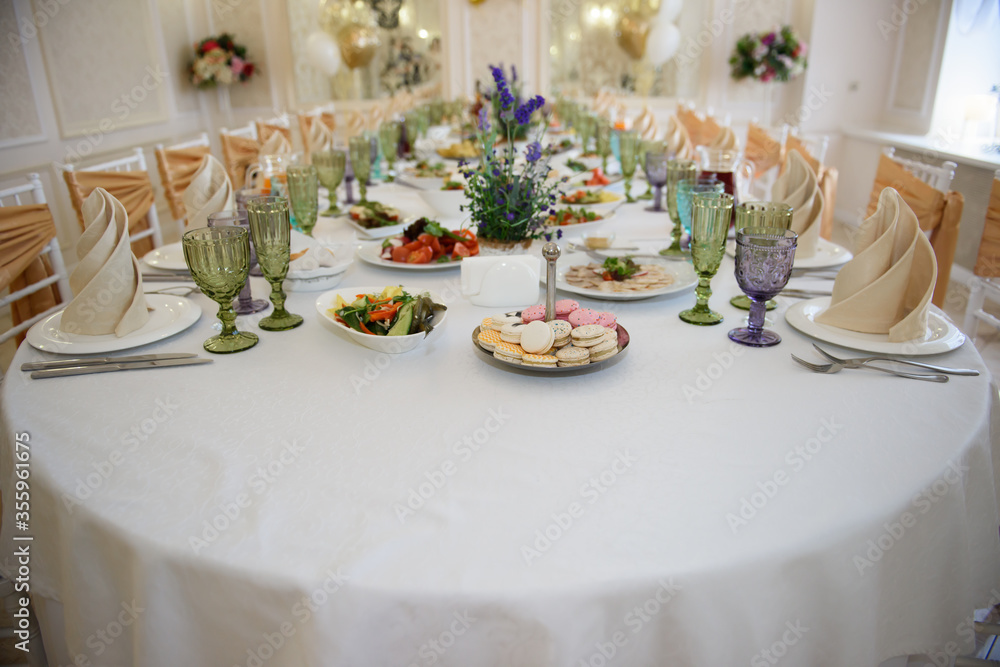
x=628 y=148
x=587 y=125
x=219 y=260
x=711 y=214
x=677 y=171
x=604 y=143
x=361 y=161
x=303 y=195
x=388 y=136
x=647 y=146
x=272 y=237
x=772 y=215
x=331 y=165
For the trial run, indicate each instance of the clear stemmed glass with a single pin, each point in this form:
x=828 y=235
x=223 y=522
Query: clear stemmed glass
x=604 y=143
x=330 y=168
x=245 y=303
x=388 y=135
x=686 y=190
x=677 y=171
x=774 y=215
x=361 y=162
x=656 y=173
x=219 y=259
x=646 y=146
x=271 y=233
x=710 y=217
x=764 y=257
x=303 y=195
x=628 y=146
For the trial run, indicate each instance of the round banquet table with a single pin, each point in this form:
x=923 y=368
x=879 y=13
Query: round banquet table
x=314 y=502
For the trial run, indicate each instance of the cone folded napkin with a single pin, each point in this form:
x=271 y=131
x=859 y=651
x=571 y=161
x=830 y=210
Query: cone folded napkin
x=645 y=125
x=799 y=188
x=210 y=191
x=887 y=287
x=678 y=140
x=276 y=144
x=320 y=136
x=725 y=140
x=107 y=282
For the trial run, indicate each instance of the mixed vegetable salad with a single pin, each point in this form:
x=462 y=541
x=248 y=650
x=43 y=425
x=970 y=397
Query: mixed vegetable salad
x=394 y=312
x=372 y=214
x=573 y=216
x=426 y=241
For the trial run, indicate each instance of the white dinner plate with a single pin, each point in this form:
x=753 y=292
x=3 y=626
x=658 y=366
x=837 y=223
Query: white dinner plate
x=941 y=335
x=828 y=254
x=168 y=257
x=371 y=253
x=684 y=279
x=379 y=232
x=581 y=226
x=168 y=315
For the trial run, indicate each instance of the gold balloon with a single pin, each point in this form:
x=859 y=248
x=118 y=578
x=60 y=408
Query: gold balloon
x=357 y=45
x=632 y=34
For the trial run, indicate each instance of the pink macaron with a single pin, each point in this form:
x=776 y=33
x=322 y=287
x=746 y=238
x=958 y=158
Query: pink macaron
x=607 y=320
x=583 y=316
x=532 y=313
x=564 y=307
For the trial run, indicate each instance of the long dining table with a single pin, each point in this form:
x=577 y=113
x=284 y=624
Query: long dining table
x=314 y=502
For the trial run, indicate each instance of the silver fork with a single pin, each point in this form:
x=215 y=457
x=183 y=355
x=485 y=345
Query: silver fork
x=861 y=362
x=836 y=368
x=176 y=290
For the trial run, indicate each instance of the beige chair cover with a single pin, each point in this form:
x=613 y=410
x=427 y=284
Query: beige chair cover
x=265 y=130
x=938 y=213
x=701 y=131
x=306 y=122
x=238 y=153
x=725 y=140
x=763 y=151
x=24 y=233
x=132 y=188
x=210 y=192
x=177 y=166
x=792 y=143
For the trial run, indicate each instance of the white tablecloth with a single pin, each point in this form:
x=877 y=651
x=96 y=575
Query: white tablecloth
x=312 y=502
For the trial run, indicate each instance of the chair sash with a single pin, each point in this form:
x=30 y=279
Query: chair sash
x=305 y=128
x=988 y=259
x=238 y=154
x=375 y=117
x=938 y=213
x=355 y=124
x=177 y=167
x=24 y=233
x=763 y=151
x=792 y=143
x=701 y=131
x=265 y=130
x=132 y=188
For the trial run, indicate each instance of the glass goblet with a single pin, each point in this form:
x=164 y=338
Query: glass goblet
x=656 y=172
x=686 y=190
x=303 y=195
x=710 y=217
x=411 y=122
x=271 y=233
x=628 y=146
x=361 y=161
x=388 y=136
x=764 y=257
x=243 y=195
x=245 y=303
x=774 y=215
x=587 y=124
x=219 y=259
x=330 y=168
x=604 y=143
x=646 y=147
x=677 y=171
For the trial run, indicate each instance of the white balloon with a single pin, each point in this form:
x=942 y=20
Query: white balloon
x=663 y=42
x=323 y=53
x=670 y=10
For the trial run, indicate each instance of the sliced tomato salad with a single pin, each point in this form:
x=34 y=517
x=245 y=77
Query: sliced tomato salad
x=426 y=242
x=571 y=216
x=597 y=178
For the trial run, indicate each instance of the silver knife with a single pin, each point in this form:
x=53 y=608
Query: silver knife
x=108 y=368
x=102 y=361
x=166 y=278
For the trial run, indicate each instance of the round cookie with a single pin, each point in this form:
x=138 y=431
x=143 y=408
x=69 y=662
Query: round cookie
x=500 y=320
x=485 y=324
x=607 y=320
x=583 y=316
x=564 y=307
x=508 y=352
x=539 y=360
x=536 y=337
x=488 y=339
x=573 y=356
x=561 y=330
x=588 y=335
x=604 y=349
x=511 y=333
x=532 y=313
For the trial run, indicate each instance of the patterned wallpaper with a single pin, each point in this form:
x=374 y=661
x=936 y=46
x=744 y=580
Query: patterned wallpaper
x=19 y=120
x=244 y=19
x=494 y=36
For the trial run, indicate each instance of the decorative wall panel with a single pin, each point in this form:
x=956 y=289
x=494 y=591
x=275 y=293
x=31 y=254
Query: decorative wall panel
x=19 y=122
x=178 y=41
x=244 y=20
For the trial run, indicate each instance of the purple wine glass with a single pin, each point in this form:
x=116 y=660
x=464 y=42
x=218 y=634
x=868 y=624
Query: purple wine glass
x=348 y=179
x=656 y=172
x=764 y=257
x=245 y=303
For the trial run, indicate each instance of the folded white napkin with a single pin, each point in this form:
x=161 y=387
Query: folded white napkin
x=107 y=282
x=678 y=140
x=314 y=258
x=725 y=140
x=887 y=287
x=276 y=144
x=210 y=191
x=320 y=136
x=799 y=188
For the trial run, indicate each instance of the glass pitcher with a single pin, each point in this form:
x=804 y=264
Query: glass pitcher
x=270 y=175
x=728 y=166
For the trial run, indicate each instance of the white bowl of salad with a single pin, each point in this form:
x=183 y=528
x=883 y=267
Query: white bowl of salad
x=391 y=319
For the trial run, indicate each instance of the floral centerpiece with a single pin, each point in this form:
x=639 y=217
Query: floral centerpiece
x=219 y=61
x=777 y=55
x=509 y=198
